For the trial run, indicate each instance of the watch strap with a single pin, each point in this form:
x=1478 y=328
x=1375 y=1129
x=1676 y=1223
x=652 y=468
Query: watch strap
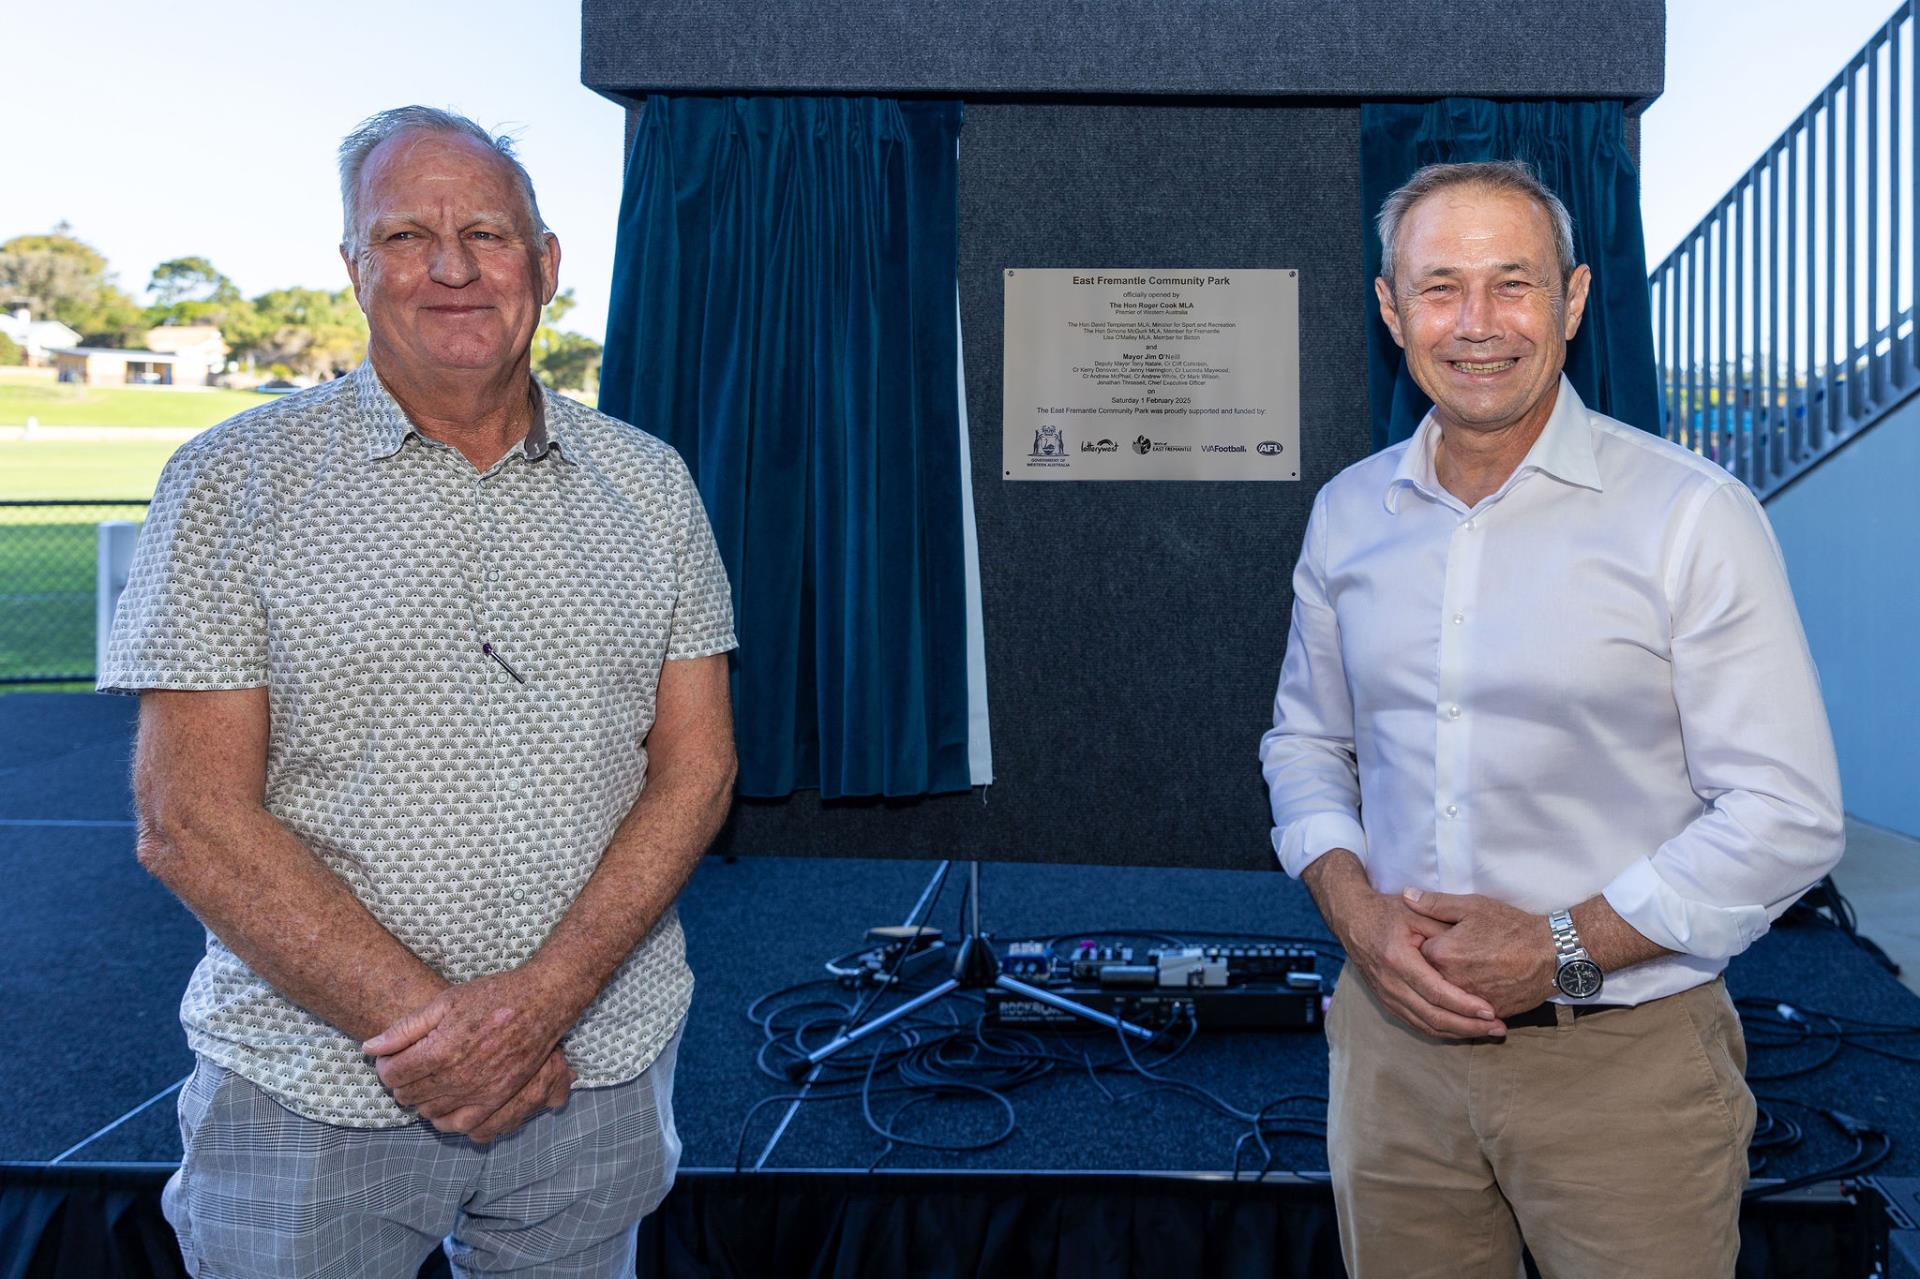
x=1566 y=942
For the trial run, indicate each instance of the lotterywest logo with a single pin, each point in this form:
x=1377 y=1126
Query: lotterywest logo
x=1271 y=448
x=1099 y=446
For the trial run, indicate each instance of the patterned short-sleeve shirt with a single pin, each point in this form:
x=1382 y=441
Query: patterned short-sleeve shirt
x=461 y=668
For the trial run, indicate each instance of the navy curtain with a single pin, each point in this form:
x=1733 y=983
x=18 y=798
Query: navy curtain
x=784 y=314
x=1579 y=149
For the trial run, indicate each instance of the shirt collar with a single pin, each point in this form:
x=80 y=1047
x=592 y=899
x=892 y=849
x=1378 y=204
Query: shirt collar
x=386 y=425
x=1564 y=450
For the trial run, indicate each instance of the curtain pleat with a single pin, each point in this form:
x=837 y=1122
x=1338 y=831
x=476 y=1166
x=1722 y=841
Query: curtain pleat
x=1579 y=150
x=783 y=315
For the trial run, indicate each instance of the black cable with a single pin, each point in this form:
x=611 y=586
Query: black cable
x=1774 y=1024
x=906 y=948
x=1825 y=903
x=1871 y=1147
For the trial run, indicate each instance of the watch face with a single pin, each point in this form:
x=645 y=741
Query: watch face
x=1578 y=979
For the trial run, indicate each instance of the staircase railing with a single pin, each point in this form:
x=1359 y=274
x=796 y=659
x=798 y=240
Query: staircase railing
x=1783 y=322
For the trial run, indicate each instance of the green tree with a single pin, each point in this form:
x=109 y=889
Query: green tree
x=189 y=280
x=193 y=291
x=564 y=360
x=63 y=278
x=309 y=331
x=10 y=352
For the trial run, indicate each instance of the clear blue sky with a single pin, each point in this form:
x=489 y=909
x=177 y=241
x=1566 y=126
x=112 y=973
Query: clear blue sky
x=193 y=128
x=162 y=130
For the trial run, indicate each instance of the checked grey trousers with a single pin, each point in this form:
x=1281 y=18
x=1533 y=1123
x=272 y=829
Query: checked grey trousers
x=263 y=1193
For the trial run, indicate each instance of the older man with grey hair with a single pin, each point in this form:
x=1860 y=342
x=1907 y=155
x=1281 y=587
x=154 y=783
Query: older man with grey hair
x=434 y=725
x=1548 y=750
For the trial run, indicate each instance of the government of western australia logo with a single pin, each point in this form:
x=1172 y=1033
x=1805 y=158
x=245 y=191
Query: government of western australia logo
x=1049 y=447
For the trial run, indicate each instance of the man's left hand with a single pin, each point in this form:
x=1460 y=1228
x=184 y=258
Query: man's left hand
x=472 y=1049
x=1498 y=952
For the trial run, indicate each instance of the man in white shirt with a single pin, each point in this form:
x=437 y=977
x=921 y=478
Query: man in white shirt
x=1548 y=750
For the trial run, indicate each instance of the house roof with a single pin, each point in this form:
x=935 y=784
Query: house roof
x=181 y=337
x=132 y=354
x=41 y=333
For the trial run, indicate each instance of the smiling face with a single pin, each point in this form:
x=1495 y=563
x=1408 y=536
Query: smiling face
x=445 y=263
x=1479 y=307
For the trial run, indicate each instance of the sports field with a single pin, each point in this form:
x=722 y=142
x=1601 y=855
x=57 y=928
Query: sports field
x=47 y=561
x=103 y=445
x=63 y=404
x=47 y=552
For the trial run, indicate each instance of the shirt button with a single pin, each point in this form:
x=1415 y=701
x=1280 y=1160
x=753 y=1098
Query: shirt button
x=493 y=575
x=1459 y=618
x=1472 y=524
x=1453 y=712
x=1453 y=810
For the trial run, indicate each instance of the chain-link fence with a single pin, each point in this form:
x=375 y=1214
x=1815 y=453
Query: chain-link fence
x=48 y=557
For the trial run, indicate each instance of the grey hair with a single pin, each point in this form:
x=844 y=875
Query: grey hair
x=1505 y=177
x=377 y=128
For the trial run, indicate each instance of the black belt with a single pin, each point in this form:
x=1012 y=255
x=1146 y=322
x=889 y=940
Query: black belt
x=1541 y=1015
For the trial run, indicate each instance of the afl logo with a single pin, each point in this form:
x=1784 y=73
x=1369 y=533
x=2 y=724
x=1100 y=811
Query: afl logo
x=1271 y=448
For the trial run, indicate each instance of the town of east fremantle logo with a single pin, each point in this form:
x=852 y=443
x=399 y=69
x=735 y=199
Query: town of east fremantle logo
x=1049 y=442
x=1143 y=445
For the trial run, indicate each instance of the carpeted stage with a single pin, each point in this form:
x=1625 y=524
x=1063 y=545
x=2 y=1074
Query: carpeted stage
x=1107 y=1166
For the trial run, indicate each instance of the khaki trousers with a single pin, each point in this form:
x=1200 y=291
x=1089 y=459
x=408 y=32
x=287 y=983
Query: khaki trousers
x=1614 y=1144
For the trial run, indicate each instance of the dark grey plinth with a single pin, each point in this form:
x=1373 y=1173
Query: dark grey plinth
x=1134 y=630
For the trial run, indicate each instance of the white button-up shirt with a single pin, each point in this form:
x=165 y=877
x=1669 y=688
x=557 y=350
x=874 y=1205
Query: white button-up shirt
x=1592 y=681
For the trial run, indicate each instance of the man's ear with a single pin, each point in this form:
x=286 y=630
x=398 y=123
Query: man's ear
x=1391 y=317
x=549 y=266
x=353 y=270
x=1577 y=285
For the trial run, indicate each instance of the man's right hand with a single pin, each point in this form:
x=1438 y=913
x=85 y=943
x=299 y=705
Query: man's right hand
x=547 y=1090
x=1383 y=935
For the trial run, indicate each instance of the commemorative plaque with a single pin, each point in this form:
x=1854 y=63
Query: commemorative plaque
x=1151 y=375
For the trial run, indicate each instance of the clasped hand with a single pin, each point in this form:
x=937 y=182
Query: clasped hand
x=1452 y=965
x=481 y=1058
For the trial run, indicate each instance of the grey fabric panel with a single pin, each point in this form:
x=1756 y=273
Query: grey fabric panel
x=1134 y=631
x=1320 y=48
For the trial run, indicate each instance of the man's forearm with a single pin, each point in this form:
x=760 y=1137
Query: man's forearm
x=1334 y=879
x=1611 y=941
x=277 y=906
x=646 y=864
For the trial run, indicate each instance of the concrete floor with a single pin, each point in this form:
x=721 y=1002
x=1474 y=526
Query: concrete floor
x=1880 y=875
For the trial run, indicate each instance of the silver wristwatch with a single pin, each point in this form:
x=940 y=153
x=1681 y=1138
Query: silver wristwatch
x=1577 y=976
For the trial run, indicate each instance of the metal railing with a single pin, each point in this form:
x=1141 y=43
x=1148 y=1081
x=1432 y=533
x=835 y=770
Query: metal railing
x=1783 y=322
x=48 y=560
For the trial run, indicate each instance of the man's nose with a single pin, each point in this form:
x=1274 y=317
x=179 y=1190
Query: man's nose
x=452 y=263
x=1478 y=318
